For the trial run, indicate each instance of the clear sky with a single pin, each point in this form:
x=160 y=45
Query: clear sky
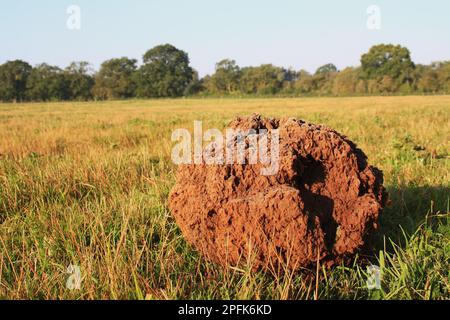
x=288 y=33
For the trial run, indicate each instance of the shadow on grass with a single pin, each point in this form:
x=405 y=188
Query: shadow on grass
x=409 y=208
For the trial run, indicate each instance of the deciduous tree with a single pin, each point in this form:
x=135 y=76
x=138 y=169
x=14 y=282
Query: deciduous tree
x=165 y=73
x=226 y=78
x=47 y=82
x=387 y=60
x=80 y=81
x=13 y=80
x=116 y=80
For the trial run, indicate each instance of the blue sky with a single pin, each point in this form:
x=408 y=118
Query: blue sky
x=289 y=33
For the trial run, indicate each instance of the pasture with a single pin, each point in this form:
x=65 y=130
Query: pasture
x=86 y=184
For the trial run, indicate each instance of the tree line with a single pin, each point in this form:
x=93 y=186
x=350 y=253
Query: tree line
x=166 y=72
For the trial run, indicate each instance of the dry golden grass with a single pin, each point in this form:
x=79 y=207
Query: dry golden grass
x=87 y=184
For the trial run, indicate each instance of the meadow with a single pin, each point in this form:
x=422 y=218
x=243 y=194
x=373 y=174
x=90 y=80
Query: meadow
x=87 y=184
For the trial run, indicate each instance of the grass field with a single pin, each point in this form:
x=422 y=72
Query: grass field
x=87 y=184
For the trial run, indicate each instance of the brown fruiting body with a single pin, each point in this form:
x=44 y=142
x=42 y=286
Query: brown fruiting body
x=322 y=204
